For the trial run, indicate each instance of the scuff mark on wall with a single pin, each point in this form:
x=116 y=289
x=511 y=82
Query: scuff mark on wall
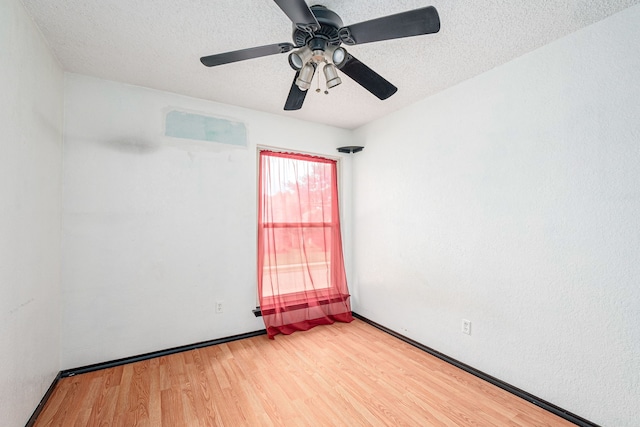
x=24 y=304
x=132 y=145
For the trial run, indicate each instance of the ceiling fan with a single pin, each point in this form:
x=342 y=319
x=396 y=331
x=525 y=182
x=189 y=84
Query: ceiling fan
x=318 y=34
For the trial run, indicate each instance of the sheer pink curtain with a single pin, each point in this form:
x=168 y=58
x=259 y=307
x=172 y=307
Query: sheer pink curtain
x=301 y=277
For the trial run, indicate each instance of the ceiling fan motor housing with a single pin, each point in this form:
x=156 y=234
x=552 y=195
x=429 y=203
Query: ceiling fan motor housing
x=318 y=34
x=329 y=22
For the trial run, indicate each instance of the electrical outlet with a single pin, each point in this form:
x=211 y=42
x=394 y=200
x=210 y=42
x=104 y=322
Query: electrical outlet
x=466 y=326
x=219 y=307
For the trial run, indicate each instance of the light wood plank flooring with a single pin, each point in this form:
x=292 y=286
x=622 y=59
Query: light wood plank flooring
x=337 y=375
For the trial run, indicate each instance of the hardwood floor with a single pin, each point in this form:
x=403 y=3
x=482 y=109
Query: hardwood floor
x=338 y=375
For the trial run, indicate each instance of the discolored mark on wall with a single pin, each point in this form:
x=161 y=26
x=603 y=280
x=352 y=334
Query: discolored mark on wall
x=180 y=124
x=22 y=305
x=132 y=145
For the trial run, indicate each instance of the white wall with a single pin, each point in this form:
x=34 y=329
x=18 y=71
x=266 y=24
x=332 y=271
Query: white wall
x=156 y=229
x=31 y=101
x=513 y=200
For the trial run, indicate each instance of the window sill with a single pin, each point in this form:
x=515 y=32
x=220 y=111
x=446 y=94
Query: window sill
x=258 y=312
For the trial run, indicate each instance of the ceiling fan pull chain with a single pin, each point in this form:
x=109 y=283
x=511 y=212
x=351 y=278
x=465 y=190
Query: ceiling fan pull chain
x=326 y=87
x=318 y=82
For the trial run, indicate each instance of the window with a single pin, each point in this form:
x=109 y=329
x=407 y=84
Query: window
x=301 y=275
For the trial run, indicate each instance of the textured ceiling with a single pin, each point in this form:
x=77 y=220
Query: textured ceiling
x=158 y=43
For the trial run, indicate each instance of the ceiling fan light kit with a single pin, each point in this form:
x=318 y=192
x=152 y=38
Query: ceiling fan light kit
x=331 y=74
x=318 y=33
x=305 y=77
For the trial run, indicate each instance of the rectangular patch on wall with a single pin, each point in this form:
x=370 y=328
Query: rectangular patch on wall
x=204 y=128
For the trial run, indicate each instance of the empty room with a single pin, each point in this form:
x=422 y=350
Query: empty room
x=258 y=212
